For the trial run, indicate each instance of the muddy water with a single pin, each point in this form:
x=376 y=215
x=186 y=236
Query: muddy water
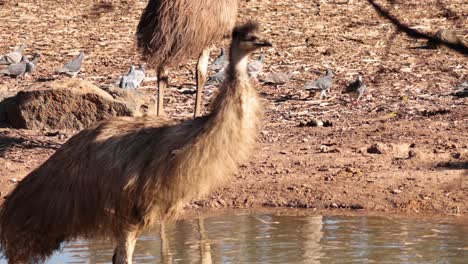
x=271 y=238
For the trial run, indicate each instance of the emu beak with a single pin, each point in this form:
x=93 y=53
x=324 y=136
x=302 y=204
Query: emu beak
x=263 y=43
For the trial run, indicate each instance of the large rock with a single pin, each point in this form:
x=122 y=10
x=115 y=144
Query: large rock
x=72 y=104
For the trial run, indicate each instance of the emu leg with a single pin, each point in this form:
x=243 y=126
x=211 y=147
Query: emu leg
x=163 y=80
x=202 y=68
x=205 y=246
x=125 y=246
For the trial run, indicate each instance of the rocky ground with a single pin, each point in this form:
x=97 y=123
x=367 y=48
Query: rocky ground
x=403 y=149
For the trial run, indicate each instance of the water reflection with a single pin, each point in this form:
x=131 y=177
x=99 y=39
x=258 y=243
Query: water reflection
x=269 y=238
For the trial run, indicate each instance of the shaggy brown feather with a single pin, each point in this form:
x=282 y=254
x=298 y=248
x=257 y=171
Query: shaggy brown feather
x=169 y=31
x=125 y=173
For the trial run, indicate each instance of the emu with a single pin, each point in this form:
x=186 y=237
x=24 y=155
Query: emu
x=123 y=174
x=170 y=31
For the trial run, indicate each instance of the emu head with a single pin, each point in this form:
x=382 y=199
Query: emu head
x=247 y=38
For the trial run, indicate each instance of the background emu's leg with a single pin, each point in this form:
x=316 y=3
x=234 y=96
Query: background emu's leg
x=163 y=80
x=125 y=246
x=202 y=68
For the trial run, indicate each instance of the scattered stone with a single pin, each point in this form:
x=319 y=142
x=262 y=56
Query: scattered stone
x=377 y=148
x=72 y=104
x=446 y=35
x=315 y=123
x=328 y=149
x=329 y=52
x=275 y=78
x=329 y=178
x=456 y=155
x=412 y=154
x=323 y=168
x=396 y=191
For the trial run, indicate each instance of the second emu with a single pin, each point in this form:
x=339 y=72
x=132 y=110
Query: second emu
x=123 y=174
x=171 y=31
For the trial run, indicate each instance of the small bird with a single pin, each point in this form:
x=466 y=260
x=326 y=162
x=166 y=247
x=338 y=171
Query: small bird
x=254 y=68
x=16 y=69
x=14 y=56
x=220 y=62
x=140 y=74
x=217 y=78
x=123 y=82
x=275 y=78
x=32 y=62
x=133 y=78
x=461 y=90
x=355 y=89
x=322 y=84
x=127 y=81
x=72 y=68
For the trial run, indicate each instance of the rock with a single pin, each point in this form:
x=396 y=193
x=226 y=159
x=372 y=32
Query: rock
x=377 y=148
x=315 y=123
x=412 y=154
x=328 y=149
x=72 y=104
x=5 y=100
x=329 y=52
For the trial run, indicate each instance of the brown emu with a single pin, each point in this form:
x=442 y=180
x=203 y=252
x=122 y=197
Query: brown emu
x=170 y=31
x=122 y=174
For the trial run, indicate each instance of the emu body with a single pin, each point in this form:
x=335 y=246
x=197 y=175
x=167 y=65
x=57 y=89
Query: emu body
x=171 y=31
x=121 y=175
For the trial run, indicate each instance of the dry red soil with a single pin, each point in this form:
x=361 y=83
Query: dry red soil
x=403 y=149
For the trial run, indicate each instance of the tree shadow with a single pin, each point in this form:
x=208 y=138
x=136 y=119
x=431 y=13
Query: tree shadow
x=452 y=165
x=9 y=142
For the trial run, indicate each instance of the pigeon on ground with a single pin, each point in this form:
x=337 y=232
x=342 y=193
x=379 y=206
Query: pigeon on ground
x=140 y=75
x=217 y=78
x=16 y=69
x=32 y=63
x=72 y=68
x=275 y=78
x=123 y=82
x=13 y=57
x=220 y=62
x=322 y=84
x=133 y=78
x=127 y=81
x=355 y=89
x=254 y=68
x=461 y=90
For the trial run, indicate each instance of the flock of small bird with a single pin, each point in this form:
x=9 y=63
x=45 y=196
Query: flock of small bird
x=254 y=68
x=17 y=65
x=322 y=85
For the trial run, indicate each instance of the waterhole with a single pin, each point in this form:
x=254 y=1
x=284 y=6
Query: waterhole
x=279 y=238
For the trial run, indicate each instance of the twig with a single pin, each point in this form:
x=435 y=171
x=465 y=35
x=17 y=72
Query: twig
x=458 y=46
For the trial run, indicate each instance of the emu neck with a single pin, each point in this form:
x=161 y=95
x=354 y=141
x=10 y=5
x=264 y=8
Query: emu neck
x=237 y=67
x=223 y=138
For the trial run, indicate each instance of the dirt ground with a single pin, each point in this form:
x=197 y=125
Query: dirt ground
x=404 y=149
